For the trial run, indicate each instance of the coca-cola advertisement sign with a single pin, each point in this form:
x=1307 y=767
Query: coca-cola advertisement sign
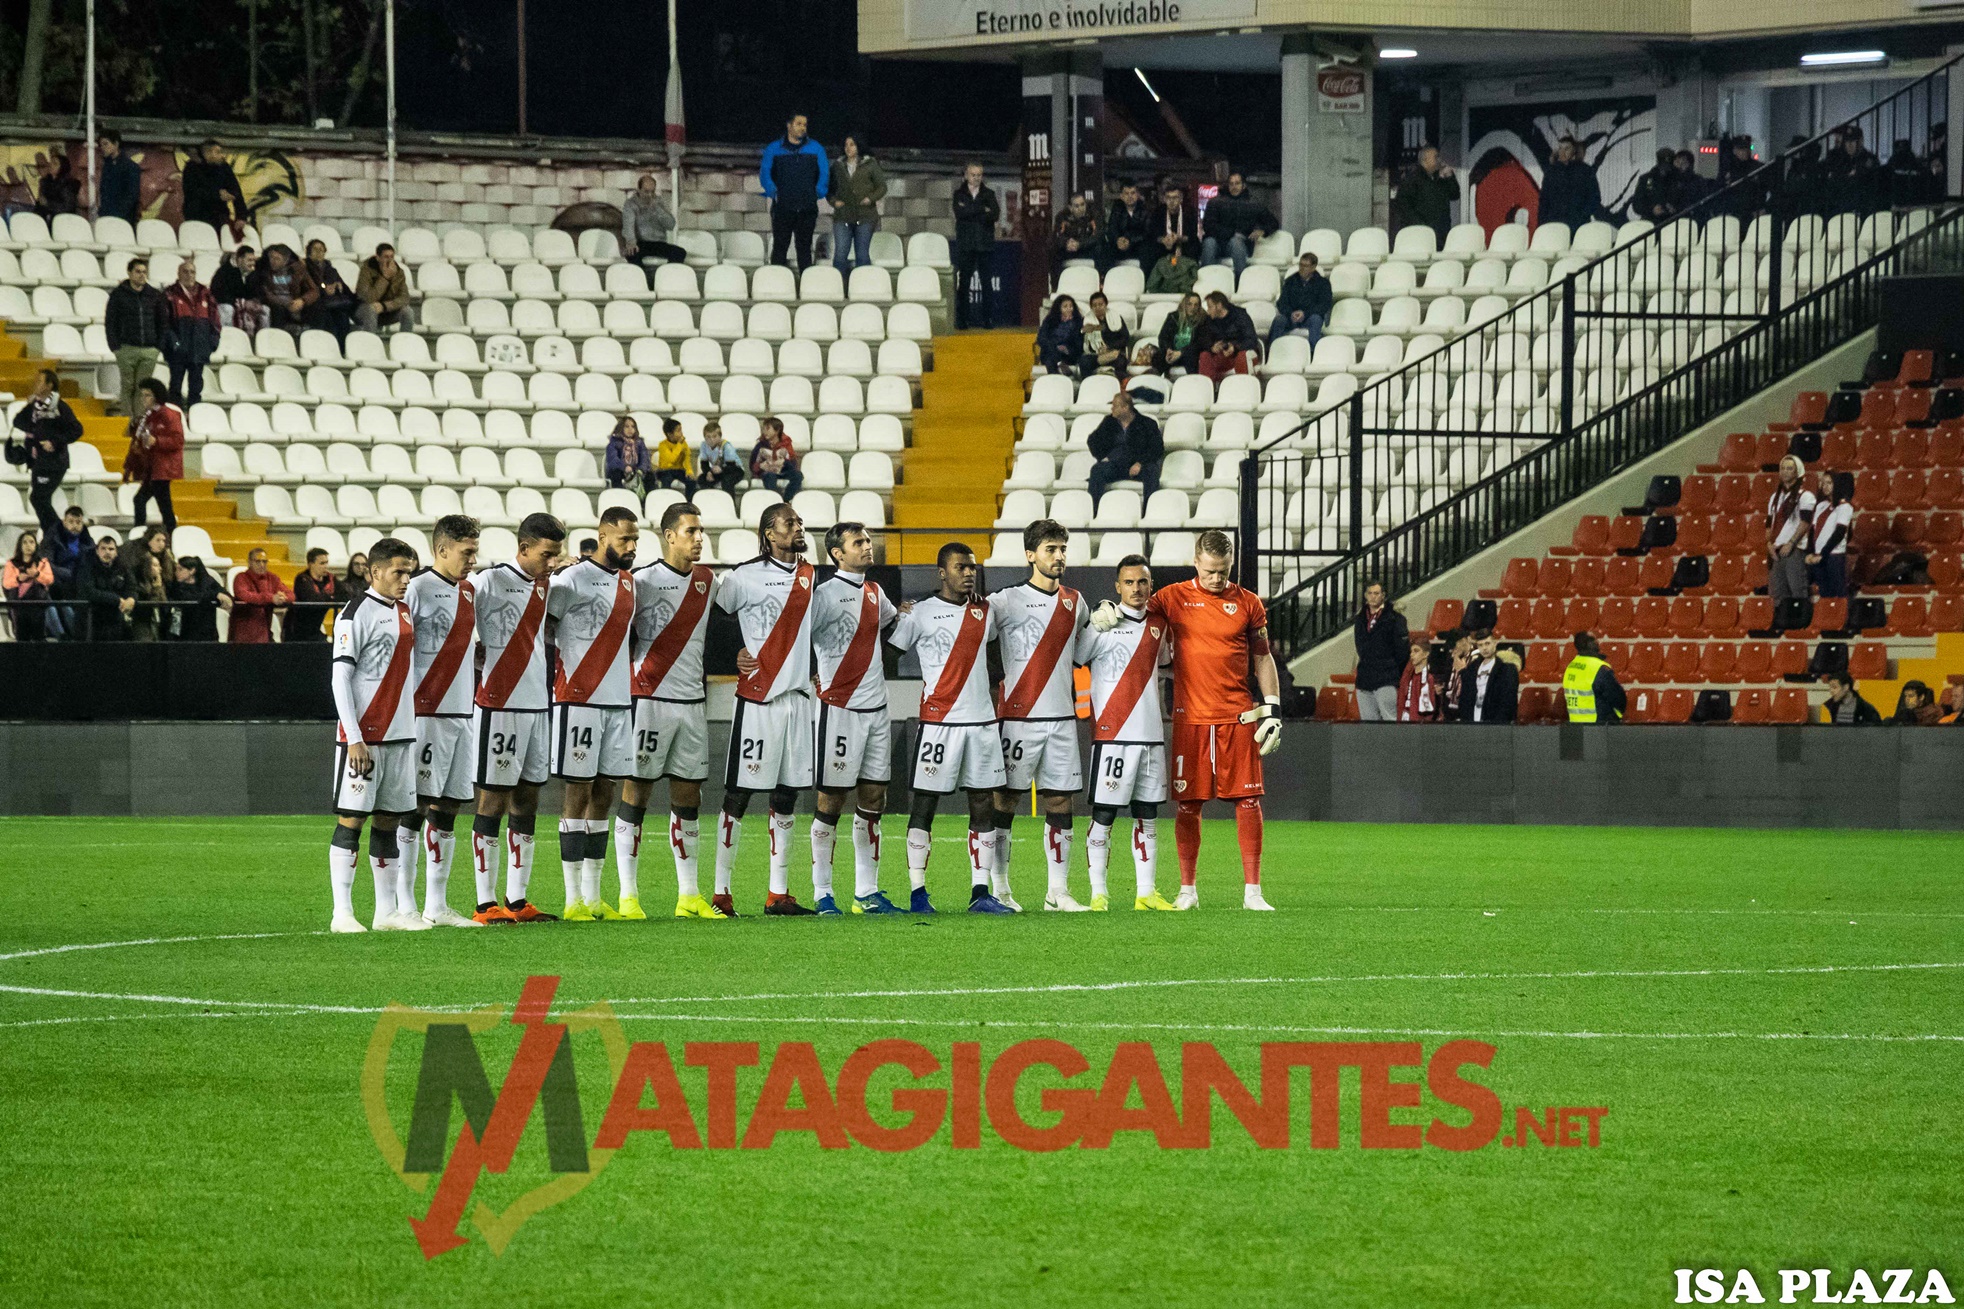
x=1340 y=90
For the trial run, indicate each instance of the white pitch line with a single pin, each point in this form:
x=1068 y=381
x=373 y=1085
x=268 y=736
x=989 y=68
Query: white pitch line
x=148 y=940
x=279 y=1005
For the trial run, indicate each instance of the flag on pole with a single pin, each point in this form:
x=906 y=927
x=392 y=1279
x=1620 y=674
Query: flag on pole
x=676 y=131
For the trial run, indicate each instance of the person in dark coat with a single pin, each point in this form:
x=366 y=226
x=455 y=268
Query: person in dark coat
x=1492 y=685
x=234 y=286
x=795 y=173
x=1909 y=176
x=1076 y=236
x=105 y=587
x=1692 y=189
x=1802 y=188
x=1569 y=190
x=1174 y=226
x=1060 y=337
x=58 y=192
x=283 y=286
x=1305 y=303
x=119 y=186
x=1425 y=198
x=1179 y=337
x=1656 y=196
x=198 y=597
x=136 y=320
x=1382 y=641
x=1746 y=179
x=1235 y=221
x=976 y=212
x=1226 y=341
x=1128 y=232
x=42 y=432
x=212 y=193
x=1127 y=446
x=1852 y=177
x=1844 y=708
x=316 y=593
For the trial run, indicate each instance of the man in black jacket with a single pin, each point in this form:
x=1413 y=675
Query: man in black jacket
x=1492 y=687
x=1174 y=227
x=976 y=211
x=212 y=193
x=1382 y=640
x=1305 y=303
x=135 y=322
x=1126 y=445
x=1235 y=221
x=1844 y=707
x=1569 y=190
x=1128 y=233
x=1226 y=342
x=1656 y=197
x=120 y=189
x=50 y=427
x=1425 y=197
x=1852 y=176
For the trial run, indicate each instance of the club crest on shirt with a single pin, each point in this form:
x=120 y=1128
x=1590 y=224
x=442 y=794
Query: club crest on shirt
x=1180 y=785
x=1230 y=607
x=975 y=612
x=701 y=587
x=1069 y=603
x=805 y=582
x=1154 y=631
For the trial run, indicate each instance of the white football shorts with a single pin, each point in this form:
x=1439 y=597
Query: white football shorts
x=671 y=739
x=444 y=758
x=512 y=747
x=771 y=744
x=389 y=788
x=1123 y=774
x=1044 y=752
x=590 y=742
x=948 y=758
x=853 y=746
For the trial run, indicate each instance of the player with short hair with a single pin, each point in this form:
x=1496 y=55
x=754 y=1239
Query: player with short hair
x=375 y=754
x=771 y=735
x=957 y=745
x=592 y=605
x=1128 y=755
x=442 y=609
x=672 y=596
x=1037 y=628
x=513 y=715
x=854 y=749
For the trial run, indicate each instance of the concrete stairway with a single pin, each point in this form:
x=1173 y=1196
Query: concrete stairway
x=963 y=434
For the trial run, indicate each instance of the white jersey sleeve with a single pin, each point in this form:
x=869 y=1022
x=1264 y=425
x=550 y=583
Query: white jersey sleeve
x=373 y=639
x=1023 y=614
x=661 y=593
x=443 y=681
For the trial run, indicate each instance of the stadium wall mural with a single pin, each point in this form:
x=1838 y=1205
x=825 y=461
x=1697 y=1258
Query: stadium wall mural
x=1512 y=142
x=272 y=178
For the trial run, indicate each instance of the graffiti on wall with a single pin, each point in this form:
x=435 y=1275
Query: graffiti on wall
x=1512 y=143
x=271 y=181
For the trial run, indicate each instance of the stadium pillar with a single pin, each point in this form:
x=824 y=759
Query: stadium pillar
x=1298 y=78
x=1326 y=134
x=1063 y=154
x=1954 y=123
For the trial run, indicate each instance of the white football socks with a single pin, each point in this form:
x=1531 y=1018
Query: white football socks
x=592 y=866
x=572 y=840
x=519 y=850
x=1057 y=858
x=865 y=855
x=627 y=856
x=1098 y=851
x=385 y=886
x=484 y=865
x=982 y=859
x=404 y=865
x=685 y=838
x=825 y=838
x=341 y=863
x=1145 y=854
x=995 y=846
x=782 y=826
x=920 y=845
x=729 y=835
x=439 y=845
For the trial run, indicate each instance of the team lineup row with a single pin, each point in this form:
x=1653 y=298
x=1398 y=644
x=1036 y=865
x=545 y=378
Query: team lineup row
x=455 y=686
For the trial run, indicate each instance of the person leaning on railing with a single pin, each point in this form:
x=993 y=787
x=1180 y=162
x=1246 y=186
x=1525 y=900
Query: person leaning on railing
x=103 y=585
x=256 y=594
x=28 y=579
x=197 y=597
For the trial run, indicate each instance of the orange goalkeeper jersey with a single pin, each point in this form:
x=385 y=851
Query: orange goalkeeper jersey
x=1213 y=637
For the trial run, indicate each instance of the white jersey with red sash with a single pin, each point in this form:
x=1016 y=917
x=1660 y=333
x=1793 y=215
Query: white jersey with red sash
x=671 y=618
x=772 y=602
x=848 y=615
x=1124 y=663
x=511 y=627
x=948 y=639
x=595 y=609
x=375 y=639
x=1038 y=631
x=444 y=613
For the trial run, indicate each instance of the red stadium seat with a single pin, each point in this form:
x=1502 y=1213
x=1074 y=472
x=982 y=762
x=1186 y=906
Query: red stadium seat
x=1729 y=575
x=1919 y=368
x=1445 y=615
x=1830 y=614
x=1681 y=661
x=1657 y=571
x=1518 y=581
x=1735 y=494
x=1738 y=454
x=1913 y=406
x=1906 y=489
x=1687 y=616
x=1947 y=613
x=1544 y=662
x=1906 y=530
x=1551 y=620
x=1943 y=529
x=1734 y=534
x=1337 y=704
x=1623 y=575
x=1591 y=536
x=1617 y=655
x=1878 y=409
x=1640 y=704
x=1557 y=578
x=1534 y=705
x=1588 y=578
x=1755 y=662
x=1646 y=662
x=1947 y=572
x=1516 y=620
x=1868 y=661
x=1839 y=450
x=1698 y=494
x=1674 y=705
x=1625 y=532
x=1756 y=614
x=1718 y=662
x=1749 y=707
x=1695 y=534
x=1763 y=485
x=1789 y=706
x=1720 y=618
x=1871 y=531
x=1789 y=658
x=1874 y=450
x=1619 y=617
x=1769 y=448
x=1809 y=409
x=1653 y=617
x=1947 y=447
x=1944 y=488
x=1872 y=489
x=1585 y=614
x=1912 y=448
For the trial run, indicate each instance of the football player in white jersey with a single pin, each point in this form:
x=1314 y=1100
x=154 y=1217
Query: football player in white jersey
x=513 y=715
x=855 y=727
x=1128 y=757
x=957 y=745
x=375 y=754
x=1037 y=627
x=442 y=608
x=592 y=605
x=771 y=735
x=671 y=725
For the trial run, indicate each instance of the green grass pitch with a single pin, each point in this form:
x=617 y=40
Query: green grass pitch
x=1773 y=1021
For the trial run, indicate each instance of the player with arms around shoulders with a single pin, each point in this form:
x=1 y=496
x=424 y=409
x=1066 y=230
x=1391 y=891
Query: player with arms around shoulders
x=854 y=751
x=958 y=745
x=592 y=608
x=671 y=724
x=513 y=745
x=442 y=609
x=771 y=734
x=1037 y=628
x=1128 y=755
x=375 y=752
x=1219 y=629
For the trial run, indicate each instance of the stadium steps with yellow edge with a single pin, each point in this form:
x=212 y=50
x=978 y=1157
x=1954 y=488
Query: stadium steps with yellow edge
x=963 y=434
x=197 y=501
x=1933 y=672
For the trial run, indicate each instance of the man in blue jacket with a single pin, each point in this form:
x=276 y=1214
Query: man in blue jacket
x=795 y=174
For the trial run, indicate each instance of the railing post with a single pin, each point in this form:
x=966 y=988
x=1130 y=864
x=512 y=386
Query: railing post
x=1779 y=226
x=1250 y=553
x=1568 y=355
x=1356 y=496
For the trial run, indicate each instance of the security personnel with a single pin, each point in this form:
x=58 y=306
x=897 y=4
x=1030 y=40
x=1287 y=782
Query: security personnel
x=1589 y=688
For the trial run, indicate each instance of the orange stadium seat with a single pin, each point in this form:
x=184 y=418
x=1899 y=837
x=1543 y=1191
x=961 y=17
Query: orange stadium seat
x=1947 y=447
x=1674 y=705
x=1756 y=613
x=1735 y=494
x=1906 y=530
x=1617 y=655
x=1875 y=450
x=1534 y=705
x=1872 y=489
x=1585 y=614
x=1695 y=534
x=1737 y=454
x=1699 y=493
x=1625 y=532
x=1944 y=488
x=1947 y=571
x=1789 y=706
x=1619 y=616
x=1721 y=617
x=1544 y=662
x=1623 y=575
x=1653 y=616
x=1557 y=578
x=1913 y=448
x=1755 y=662
x=1681 y=661
x=1914 y=406
x=1839 y=450
x=1749 y=707
x=1734 y=533
x=1647 y=661
x=1906 y=488
x=1729 y=574
x=1337 y=704
x=1878 y=409
x=1687 y=616
x=1919 y=368
x=1550 y=620
x=1589 y=579
x=1718 y=662
x=1519 y=580
x=1640 y=704
x=1947 y=613
x=1769 y=448
x=1789 y=658
x=1871 y=530
x=1809 y=409
x=1591 y=536
x=1656 y=573
x=1868 y=661
x=1943 y=529
x=1515 y=621
x=1445 y=615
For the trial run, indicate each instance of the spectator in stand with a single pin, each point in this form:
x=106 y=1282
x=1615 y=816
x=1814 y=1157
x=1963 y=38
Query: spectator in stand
x=1060 y=337
x=1076 y=237
x=1951 y=701
x=234 y=287
x=858 y=186
x=588 y=544
x=1234 y=222
x=136 y=321
x=1657 y=190
x=1382 y=642
x=103 y=585
x=1853 y=178
x=1128 y=232
x=628 y=466
x=355 y=580
x=774 y=462
x=317 y=592
x=721 y=463
x=1748 y=179
x=1173 y=225
x=795 y=174
x=1127 y=446
x=976 y=212
x=43 y=430
x=1828 y=530
x=198 y=598
x=155 y=458
x=145 y=564
x=119 y=186
x=1570 y=192
x=1692 y=189
x=1425 y=196
x=282 y=285
x=645 y=227
x=1908 y=176
x=212 y=193
x=1450 y=668
x=1178 y=338
x=382 y=293
x=1803 y=187
x=27 y=581
x=1418 y=693
x=1174 y=274
x=1788 y=511
x=1916 y=707
x=1492 y=686
x=257 y=594
x=1305 y=303
x=66 y=549
x=193 y=335
x=675 y=464
x=58 y=192
x=333 y=309
x=1590 y=691
x=1226 y=340
x=1846 y=708
x=1107 y=341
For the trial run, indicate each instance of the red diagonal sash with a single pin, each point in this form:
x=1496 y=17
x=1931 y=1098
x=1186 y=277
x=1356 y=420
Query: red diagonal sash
x=668 y=645
x=511 y=665
x=859 y=654
x=777 y=646
x=1132 y=683
x=936 y=704
x=382 y=709
x=1043 y=660
x=579 y=688
x=443 y=669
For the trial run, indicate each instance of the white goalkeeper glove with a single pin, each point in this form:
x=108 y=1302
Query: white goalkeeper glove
x=1106 y=616
x=1268 y=730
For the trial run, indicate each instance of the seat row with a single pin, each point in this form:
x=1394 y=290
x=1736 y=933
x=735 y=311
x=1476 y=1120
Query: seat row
x=818 y=284
x=721 y=320
x=1120 y=509
x=1689 y=617
x=1166 y=550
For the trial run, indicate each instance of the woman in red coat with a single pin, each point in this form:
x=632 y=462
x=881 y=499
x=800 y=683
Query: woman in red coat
x=156 y=453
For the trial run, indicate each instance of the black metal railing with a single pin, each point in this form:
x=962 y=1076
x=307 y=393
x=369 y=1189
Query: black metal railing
x=1574 y=366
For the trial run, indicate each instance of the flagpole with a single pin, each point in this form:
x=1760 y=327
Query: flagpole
x=95 y=200
x=673 y=129
x=389 y=45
